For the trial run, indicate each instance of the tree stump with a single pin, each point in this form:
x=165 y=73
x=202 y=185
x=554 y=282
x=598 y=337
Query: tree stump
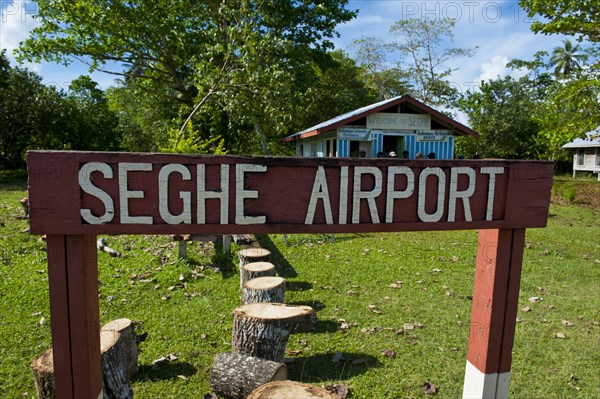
x=254 y=270
x=289 y=389
x=263 y=289
x=43 y=375
x=119 y=349
x=262 y=329
x=235 y=375
x=250 y=255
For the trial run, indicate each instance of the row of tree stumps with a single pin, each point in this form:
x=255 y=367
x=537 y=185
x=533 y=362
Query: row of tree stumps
x=261 y=328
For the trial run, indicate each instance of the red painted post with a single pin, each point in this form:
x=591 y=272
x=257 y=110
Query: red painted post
x=74 y=310
x=494 y=312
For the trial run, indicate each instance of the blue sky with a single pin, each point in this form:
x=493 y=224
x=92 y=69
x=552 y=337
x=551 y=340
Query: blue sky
x=500 y=28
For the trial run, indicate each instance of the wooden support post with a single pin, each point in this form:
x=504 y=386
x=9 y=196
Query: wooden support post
x=494 y=313
x=74 y=310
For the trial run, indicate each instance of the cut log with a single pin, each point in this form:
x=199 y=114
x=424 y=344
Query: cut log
x=119 y=349
x=291 y=390
x=43 y=375
x=250 y=255
x=120 y=339
x=244 y=239
x=262 y=329
x=235 y=375
x=101 y=244
x=254 y=270
x=263 y=289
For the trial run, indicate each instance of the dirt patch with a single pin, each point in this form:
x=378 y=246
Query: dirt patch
x=584 y=193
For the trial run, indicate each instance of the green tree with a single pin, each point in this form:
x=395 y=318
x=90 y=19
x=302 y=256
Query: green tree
x=228 y=66
x=569 y=17
x=422 y=44
x=502 y=111
x=567 y=59
x=415 y=62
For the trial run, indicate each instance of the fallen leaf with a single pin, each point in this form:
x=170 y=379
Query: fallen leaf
x=560 y=335
x=295 y=352
x=397 y=284
x=338 y=391
x=210 y=396
x=388 y=353
x=526 y=309
x=352 y=293
x=430 y=389
x=436 y=271
x=535 y=299
x=408 y=326
x=374 y=309
x=42 y=320
x=182 y=377
x=567 y=323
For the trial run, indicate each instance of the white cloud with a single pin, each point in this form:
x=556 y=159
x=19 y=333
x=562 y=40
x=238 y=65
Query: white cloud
x=493 y=69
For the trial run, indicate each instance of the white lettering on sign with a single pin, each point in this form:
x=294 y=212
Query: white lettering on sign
x=163 y=195
x=492 y=171
x=125 y=194
x=203 y=195
x=392 y=195
x=370 y=185
x=242 y=194
x=85 y=182
x=388 y=120
x=456 y=196
x=368 y=195
x=441 y=178
x=319 y=192
x=464 y=195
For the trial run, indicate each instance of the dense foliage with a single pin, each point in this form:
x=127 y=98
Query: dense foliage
x=36 y=116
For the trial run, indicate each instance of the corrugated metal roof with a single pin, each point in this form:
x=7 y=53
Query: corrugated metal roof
x=347 y=115
x=351 y=116
x=592 y=139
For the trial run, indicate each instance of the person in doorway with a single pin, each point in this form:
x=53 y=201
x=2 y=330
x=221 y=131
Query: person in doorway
x=393 y=154
x=362 y=154
x=380 y=154
x=405 y=154
x=419 y=155
x=431 y=155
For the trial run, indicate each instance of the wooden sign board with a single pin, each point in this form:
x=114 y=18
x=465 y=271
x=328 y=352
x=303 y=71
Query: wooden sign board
x=74 y=196
x=121 y=193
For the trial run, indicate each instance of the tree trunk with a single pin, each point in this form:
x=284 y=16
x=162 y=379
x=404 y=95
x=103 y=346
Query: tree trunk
x=254 y=270
x=262 y=329
x=250 y=255
x=119 y=349
x=263 y=289
x=289 y=389
x=43 y=375
x=235 y=375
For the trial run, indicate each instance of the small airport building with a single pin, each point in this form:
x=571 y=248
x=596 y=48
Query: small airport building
x=400 y=125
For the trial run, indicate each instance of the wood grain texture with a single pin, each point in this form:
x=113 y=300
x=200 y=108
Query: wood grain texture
x=277 y=194
x=263 y=289
x=236 y=376
x=495 y=299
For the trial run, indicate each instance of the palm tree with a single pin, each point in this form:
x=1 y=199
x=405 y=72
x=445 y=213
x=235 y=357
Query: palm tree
x=567 y=59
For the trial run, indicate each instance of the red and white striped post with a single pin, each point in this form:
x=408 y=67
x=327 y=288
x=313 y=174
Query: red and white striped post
x=494 y=313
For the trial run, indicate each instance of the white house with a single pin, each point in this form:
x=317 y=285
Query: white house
x=401 y=125
x=587 y=153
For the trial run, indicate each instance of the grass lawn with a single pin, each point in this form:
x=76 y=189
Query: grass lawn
x=421 y=322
